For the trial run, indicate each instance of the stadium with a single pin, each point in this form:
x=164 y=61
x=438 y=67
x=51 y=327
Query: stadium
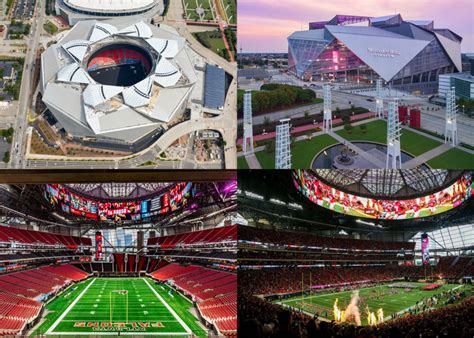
x=120 y=84
x=88 y=259
x=356 y=253
x=74 y=11
x=408 y=54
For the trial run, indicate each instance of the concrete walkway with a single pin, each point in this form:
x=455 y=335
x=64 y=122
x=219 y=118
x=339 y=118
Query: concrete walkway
x=253 y=162
x=425 y=157
x=470 y=151
x=365 y=117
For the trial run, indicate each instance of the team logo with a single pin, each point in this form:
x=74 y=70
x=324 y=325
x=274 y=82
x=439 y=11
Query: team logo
x=119 y=326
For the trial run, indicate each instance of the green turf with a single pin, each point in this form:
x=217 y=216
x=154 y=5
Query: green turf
x=390 y=303
x=302 y=152
x=242 y=163
x=453 y=159
x=231 y=10
x=98 y=305
x=376 y=132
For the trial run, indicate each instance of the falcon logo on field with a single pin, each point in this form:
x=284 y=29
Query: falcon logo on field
x=121 y=292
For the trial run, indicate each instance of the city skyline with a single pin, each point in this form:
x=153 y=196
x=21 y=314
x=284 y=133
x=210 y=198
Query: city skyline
x=275 y=23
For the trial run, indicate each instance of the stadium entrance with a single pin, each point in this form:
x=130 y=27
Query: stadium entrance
x=119 y=64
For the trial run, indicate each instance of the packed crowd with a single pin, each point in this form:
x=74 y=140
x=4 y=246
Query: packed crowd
x=247 y=233
x=261 y=319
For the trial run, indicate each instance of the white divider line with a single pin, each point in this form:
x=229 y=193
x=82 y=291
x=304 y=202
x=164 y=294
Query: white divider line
x=183 y=324
x=52 y=327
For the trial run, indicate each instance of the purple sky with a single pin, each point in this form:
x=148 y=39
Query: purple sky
x=264 y=25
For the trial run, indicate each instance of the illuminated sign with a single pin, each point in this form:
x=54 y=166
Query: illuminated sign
x=339 y=201
x=385 y=53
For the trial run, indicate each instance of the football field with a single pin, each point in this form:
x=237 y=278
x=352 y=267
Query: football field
x=391 y=300
x=131 y=306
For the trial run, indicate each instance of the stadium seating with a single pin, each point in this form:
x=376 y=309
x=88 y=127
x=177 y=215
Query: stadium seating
x=117 y=56
x=46 y=279
x=214 y=291
x=294 y=239
x=31 y=237
x=209 y=236
x=16 y=312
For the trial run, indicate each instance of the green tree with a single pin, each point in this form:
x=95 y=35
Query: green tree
x=363 y=128
x=6 y=157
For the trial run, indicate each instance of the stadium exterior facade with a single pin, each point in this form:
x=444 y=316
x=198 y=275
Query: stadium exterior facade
x=126 y=117
x=410 y=55
x=74 y=11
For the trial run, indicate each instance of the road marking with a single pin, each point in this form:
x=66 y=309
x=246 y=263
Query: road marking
x=188 y=330
x=52 y=327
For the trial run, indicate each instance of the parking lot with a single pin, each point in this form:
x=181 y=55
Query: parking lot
x=23 y=9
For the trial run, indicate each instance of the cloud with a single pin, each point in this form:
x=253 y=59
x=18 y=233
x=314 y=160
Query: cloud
x=264 y=25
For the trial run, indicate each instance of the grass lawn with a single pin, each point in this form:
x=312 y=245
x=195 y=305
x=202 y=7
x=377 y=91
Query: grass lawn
x=411 y=142
x=242 y=163
x=453 y=159
x=373 y=297
x=302 y=152
x=212 y=40
x=231 y=6
x=134 y=307
x=376 y=132
x=191 y=9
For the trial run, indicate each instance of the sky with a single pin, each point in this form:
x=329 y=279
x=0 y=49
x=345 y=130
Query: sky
x=264 y=25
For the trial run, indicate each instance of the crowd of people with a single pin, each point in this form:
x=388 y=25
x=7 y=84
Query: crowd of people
x=261 y=319
x=294 y=279
x=286 y=238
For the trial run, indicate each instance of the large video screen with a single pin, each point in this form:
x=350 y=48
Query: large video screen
x=168 y=201
x=342 y=202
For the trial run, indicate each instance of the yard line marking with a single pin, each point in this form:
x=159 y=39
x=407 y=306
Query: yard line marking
x=188 y=330
x=52 y=327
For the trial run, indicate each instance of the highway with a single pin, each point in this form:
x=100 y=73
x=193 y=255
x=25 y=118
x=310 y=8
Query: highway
x=19 y=138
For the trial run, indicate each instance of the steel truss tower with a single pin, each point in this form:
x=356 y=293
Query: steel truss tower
x=451 y=134
x=327 y=117
x=394 y=159
x=378 y=99
x=282 y=146
x=247 y=144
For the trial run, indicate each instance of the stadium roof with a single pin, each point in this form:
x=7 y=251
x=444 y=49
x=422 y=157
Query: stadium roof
x=110 y=5
x=387 y=45
x=108 y=110
x=214 y=87
x=118 y=190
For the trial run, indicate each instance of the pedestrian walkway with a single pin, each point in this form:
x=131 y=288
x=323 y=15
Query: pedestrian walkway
x=425 y=157
x=308 y=127
x=252 y=161
x=470 y=151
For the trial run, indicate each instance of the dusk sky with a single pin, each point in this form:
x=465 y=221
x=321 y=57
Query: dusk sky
x=264 y=25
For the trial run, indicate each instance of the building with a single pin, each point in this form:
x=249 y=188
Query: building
x=463 y=84
x=76 y=10
x=410 y=55
x=121 y=82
